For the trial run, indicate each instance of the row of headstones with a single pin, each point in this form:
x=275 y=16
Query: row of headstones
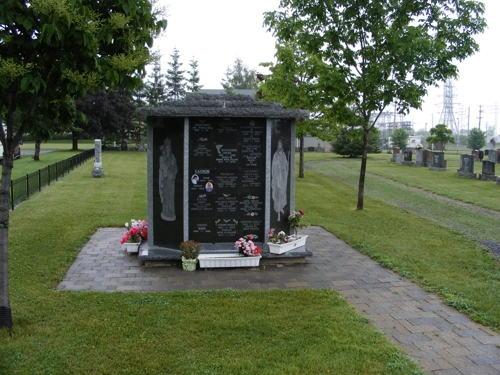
x=423 y=157
x=488 y=166
x=435 y=160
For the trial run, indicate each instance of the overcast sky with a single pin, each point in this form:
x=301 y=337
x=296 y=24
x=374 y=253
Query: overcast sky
x=216 y=32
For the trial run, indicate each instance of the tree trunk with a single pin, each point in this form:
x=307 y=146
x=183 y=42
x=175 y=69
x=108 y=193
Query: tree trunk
x=75 y=141
x=5 y=309
x=37 y=149
x=362 y=172
x=301 y=157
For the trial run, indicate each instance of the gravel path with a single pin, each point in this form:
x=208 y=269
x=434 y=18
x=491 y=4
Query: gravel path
x=478 y=223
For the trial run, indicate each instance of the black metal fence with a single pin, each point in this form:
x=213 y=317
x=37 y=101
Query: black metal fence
x=24 y=187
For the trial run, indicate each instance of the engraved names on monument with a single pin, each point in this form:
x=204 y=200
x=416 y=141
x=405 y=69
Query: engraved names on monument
x=227 y=169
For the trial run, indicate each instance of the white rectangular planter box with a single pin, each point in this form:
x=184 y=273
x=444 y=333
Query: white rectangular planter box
x=283 y=248
x=227 y=260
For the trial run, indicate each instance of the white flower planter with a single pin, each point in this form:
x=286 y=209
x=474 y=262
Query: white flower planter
x=132 y=248
x=189 y=264
x=283 y=248
x=227 y=260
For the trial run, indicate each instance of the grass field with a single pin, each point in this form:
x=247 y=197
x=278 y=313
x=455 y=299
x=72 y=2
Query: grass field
x=410 y=238
x=214 y=332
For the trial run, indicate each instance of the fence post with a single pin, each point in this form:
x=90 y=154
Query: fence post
x=27 y=186
x=39 y=180
x=12 y=194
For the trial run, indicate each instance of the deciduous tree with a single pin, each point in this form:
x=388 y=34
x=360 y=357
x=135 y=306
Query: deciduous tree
x=52 y=52
x=292 y=82
x=374 y=53
x=399 y=137
x=109 y=115
x=350 y=142
x=476 y=139
x=440 y=134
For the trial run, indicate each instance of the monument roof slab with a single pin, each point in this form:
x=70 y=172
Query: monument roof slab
x=207 y=105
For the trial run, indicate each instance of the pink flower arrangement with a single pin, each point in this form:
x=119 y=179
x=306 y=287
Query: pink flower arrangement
x=278 y=238
x=246 y=246
x=137 y=232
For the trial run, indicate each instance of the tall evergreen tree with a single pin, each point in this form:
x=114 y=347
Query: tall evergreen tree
x=155 y=89
x=194 y=78
x=240 y=77
x=176 y=82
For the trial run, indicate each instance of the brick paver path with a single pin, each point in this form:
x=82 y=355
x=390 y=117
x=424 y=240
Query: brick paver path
x=440 y=338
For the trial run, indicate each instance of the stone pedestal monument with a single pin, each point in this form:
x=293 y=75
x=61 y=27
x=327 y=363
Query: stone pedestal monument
x=219 y=167
x=98 y=171
x=466 y=169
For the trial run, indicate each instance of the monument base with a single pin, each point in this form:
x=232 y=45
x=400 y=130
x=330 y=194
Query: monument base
x=97 y=172
x=465 y=174
x=164 y=257
x=488 y=177
x=407 y=163
x=437 y=169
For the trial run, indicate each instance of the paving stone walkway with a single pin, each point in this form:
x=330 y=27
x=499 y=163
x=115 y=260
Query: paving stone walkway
x=441 y=339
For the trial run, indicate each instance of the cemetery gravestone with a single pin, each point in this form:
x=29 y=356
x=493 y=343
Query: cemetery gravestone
x=399 y=159
x=493 y=156
x=395 y=152
x=427 y=157
x=488 y=172
x=467 y=166
x=407 y=157
x=419 y=157
x=97 y=171
x=438 y=161
x=219 y=167
x=475 y=153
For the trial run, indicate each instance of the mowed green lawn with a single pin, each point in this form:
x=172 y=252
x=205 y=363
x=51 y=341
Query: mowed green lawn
x=440 y=259
x=60 y=150
x=209 y=332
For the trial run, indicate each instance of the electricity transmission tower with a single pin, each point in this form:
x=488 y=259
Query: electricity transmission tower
x=447 y=117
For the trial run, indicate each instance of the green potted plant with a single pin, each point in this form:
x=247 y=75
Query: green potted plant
x=190 y=250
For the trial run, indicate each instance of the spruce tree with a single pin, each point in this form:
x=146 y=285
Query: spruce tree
x=155 y=89
x=194 y=78
x=239 y=77
x=176 y=82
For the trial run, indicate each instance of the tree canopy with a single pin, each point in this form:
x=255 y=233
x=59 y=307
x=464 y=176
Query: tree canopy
x=109 y=115
x=400 y=137
x=476 y=139
x=293 y=84
x=176 y=81
x=239 y=77
x=350 y=142
x=440 y=134
x=373 y=53
x=51 y=53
